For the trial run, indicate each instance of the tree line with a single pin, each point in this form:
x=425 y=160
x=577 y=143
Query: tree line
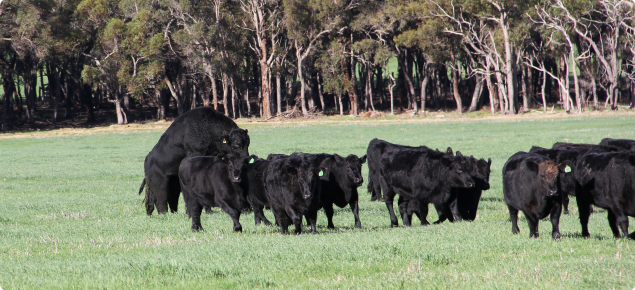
x=264 y=57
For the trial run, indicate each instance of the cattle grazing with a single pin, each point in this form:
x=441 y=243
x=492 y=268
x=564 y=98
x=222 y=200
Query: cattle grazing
x=566 y=182
x=424 y=175
x=199 y=132
x=376 y=148
x=530 y=185
x=607 y=180
x=293 y=190
x=254 y=188
x=209 y=181
x=626 y=144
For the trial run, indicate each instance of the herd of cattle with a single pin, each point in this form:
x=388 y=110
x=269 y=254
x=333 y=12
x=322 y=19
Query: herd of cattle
x=204 y=155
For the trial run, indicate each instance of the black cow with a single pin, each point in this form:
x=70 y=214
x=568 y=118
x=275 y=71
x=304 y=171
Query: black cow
x=293 y=190
x=339 y=181
x=627 y=144
x=466 y=200
x=199 y=132
x=424 y=175
x=607 y=180
x=209 y=181
x=566 y=181
x=530 y=185
x=376 y=148
x=254 y=188
x=463 y=202
x=584 y=148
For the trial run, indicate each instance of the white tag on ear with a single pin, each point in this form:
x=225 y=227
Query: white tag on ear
x=224 y=140
x=567 y=169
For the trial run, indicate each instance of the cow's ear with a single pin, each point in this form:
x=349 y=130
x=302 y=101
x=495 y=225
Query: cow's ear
x=246 y=131
x=532 y=166
x=489 y=161
x=224 y=139
x=459 y=154
x=323 y=171
x=449 y=151
x=363 y=159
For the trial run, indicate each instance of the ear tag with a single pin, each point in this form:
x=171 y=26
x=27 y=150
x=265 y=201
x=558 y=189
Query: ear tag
x=224 y=140
x=321 y=173
x=251 y=161
x=567 y=169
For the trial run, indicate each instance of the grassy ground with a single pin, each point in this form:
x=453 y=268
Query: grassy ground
x=70 y=217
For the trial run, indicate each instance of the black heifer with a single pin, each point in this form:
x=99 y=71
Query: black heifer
x=530 y=185
x=293 y=190
x=199 y=132
x=209 y=181
x=627 y=144
x=423 y=175
x=339 y=181
x=376 y=148
x=584 y=148
x=607 y=180
x=566 y=181
x=254 y=187
x=465 y=200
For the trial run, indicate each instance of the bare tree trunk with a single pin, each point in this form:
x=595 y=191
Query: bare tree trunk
x=370 y=87
x=353 y=91
x=424 y=91
x=279 y=93
x=339 y=97
x=175 y=94
x=576 y=83
x=478 y=89
x=225 y=92
x=491 y=92
x=392 y=86
x=320 y=93
x=121 y=115
x=236 y=112
x=455 y=91
x=509 y=65
x=594 y=90
x=544 y=97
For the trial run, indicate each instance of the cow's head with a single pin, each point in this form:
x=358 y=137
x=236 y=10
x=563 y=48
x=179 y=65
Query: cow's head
x=237 y=141
x=306 y=174
x=459 y=171
x=547 y=172
x=568 y=159
x=353 y=165
x=482 y=170
x=235 y=164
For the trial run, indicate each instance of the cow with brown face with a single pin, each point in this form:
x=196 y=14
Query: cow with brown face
x=530 y=185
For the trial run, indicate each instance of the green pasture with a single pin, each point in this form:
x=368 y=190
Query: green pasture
x=70 y=217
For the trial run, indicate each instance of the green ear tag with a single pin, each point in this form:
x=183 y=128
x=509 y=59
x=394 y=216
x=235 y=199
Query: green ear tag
x=321 y=173
x=252 y=160
x=567 y=169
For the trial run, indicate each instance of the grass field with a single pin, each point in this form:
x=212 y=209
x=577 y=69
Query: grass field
x=70 y=217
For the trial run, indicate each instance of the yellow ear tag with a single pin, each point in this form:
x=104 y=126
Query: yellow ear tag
x=321 y=173
x=224 y=141
x=252 y=160
x=567 y=169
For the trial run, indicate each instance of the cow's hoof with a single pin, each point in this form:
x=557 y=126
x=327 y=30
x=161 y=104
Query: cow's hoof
x=358 y=226
x=566 y=211
x=556 y=236
x=238 y=229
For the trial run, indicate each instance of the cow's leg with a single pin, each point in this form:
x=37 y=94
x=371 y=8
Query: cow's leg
x=157 y=197
x=621 y=220
x=454 y=210
x=149 y=200
x=376 y=187
x=405 y=217
x=355 y=209
x=584 y=210
x=174 y=191
x=328 y=210
x=442 y=212
x=282 y=220
x=423 y=213
x=195 y=210
x=208 y=209
x=235 y=215
x=565 y=203
x=259 y=215
x=613 y=223
x=556 y=211
x=532 y=222
x=389 y=197
x=513 y=216
x=312 y=217
x=296 y=218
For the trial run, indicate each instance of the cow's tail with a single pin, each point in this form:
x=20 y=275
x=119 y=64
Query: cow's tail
x=149 y=199
x=369 y=186
x=143 y=184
